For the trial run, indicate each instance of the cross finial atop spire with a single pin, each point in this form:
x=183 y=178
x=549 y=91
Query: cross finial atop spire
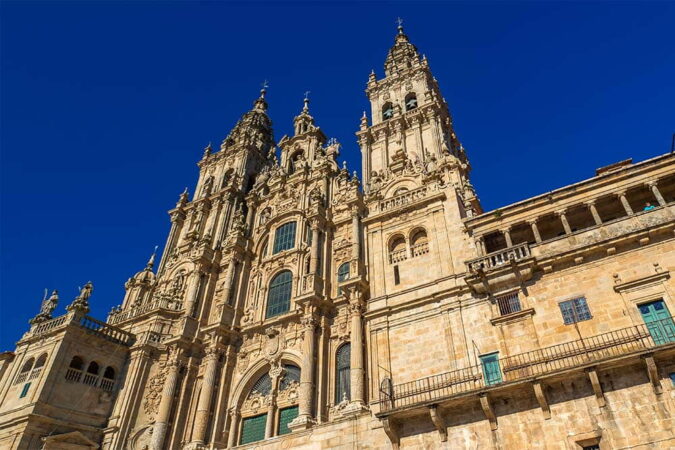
x=399 y=21
x=151 y=261
x=306 y=100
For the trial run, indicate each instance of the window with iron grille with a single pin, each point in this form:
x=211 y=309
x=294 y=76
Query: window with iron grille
x=279 y=295
x=284 y=238
x=508 y=304
x=575 y=310
x=291 y=375
x=342 y=369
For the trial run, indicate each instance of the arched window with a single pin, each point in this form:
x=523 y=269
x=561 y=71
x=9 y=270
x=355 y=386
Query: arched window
x=397 y=244
x=387 y=111
x=342 y=370
x=342 y=275
x=27 y=365
x=40 y=361
x=291 y=375
x=279 y=295
x=76 y=363
x=410 y=101
x=295 y=160
x=263 y=386
x=25 y=370
x=91 y=376
x=419 y=244
x=108 y=380
x=284 y=238
x=397 y=250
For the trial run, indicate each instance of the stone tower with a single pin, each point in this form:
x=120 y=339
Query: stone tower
x=412 y=157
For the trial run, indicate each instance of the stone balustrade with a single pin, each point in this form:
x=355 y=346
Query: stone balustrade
x=499 y=258
x=398 y=256
x=122 y=315
x=406 y=198
x=419 y=249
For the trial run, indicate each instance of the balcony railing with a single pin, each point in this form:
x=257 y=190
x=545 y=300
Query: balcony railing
x=107 y=331
x=499 y=258
x=398 y=256
x=591 y=350
x=404 y=199
x=135 y=311
x=419 y=249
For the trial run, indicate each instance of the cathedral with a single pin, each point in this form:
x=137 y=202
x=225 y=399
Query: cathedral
x=296 y=306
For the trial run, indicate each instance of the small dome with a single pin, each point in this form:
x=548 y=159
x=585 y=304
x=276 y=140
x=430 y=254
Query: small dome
x=145 y=276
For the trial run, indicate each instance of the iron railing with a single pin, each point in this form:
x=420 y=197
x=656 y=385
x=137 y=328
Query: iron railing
x=519 y=367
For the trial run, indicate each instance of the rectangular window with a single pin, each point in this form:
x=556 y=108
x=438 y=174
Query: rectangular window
x=284 y=238
x=508 y=304
x=24 y=391
x=286 y=416
x=575 y=310
x=253 y=429
x=492 y=374
x=397 y=276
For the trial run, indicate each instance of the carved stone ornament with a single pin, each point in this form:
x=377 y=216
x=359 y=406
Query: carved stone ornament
x=153 y=391
x=273 y=344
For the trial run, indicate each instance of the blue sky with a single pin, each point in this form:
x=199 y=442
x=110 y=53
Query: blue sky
x=106 y=107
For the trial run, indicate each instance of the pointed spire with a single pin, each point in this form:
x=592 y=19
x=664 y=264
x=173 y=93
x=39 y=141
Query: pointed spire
x=151 y=261
x=305 y=108
x=260 y=104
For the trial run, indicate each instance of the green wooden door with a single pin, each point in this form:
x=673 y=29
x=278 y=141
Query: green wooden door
x=492 y=374
x=659 y=322
x=253 y=429
x=286 y=416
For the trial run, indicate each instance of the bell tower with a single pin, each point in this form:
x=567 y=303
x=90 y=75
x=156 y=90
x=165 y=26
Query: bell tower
x=415 y=175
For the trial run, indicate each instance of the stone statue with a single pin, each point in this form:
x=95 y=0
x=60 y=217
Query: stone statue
x=47 y=308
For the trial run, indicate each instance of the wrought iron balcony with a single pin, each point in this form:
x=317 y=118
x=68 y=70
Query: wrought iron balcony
x=524 y=366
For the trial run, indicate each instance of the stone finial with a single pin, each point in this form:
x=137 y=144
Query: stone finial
x=182 y=199
x=47 y=308
x=207 y=150
x=151 y=261
x=81 y=302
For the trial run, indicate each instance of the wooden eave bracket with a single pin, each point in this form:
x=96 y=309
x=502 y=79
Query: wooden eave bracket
x=541 y=398
x=487 y=409
x=597 y=387
x=653 y=373
x=439 y=423
x=391 y=430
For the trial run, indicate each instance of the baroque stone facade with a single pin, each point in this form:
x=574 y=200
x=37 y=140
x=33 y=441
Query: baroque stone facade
x=296 y=306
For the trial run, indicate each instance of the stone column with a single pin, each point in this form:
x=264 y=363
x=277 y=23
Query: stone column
x=229 y=279
x=314 y=255
x=206 y=394
x=168 y=392
x=306 y=397
x=356 y=361
x=234 y=425
x=563 y=219
x=535 y=230
x=480 y=243
x=652 y=185
x=356 y=232
x=507 y=237
x=192 y=292
x=624 y=202
x=274 y=373
x=594 y=212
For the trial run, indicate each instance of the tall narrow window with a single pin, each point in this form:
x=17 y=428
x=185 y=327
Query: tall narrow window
x=279 y=296
x=575 y=310
x=92 y=374
x=342 y=275
x=397 y=276
x=24 y=391
x=284 y=239
x=342 y=377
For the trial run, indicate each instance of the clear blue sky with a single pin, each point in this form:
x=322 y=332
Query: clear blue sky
x=106 y=107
